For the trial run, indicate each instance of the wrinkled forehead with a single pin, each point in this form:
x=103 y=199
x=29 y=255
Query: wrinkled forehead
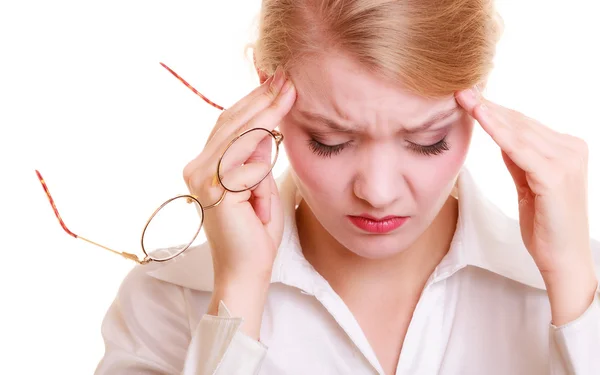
x=336 y=85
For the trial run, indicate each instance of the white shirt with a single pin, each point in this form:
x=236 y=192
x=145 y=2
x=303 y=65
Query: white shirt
x=484 y=310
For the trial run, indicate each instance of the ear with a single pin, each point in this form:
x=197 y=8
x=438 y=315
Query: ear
x=262 y=76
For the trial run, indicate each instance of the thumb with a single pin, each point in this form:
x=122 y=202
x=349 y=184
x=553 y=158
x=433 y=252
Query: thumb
x=518 y=175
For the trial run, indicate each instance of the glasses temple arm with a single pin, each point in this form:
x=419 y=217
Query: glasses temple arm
x=133 y=257
x=192 y=88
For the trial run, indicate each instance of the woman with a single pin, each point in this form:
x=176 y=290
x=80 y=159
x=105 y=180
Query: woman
x=375 y=253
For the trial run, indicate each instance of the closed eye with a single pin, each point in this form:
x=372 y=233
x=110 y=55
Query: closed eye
x=326 y=151
x=430 y=150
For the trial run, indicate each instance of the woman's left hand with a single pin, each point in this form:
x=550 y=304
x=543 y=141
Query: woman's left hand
x=549 y=170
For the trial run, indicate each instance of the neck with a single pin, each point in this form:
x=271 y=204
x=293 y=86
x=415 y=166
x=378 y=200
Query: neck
x=395 y=278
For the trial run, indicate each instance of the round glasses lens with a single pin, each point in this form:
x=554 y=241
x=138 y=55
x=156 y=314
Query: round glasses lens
x=248 y=160
x=172 y=228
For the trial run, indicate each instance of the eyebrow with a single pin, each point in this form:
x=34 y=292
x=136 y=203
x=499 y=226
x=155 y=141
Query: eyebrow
x=438 y=117
x=335 y=126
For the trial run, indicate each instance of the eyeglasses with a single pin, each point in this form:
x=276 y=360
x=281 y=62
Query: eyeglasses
x=154 y=244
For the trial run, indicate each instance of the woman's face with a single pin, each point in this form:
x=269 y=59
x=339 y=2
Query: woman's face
x=360 y=146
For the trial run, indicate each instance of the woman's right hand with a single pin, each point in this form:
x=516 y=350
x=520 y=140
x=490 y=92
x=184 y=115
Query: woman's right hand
x=245 y=229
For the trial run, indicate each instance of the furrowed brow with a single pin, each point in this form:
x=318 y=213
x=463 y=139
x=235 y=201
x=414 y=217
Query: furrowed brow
x=333 y=125
x=438 y=117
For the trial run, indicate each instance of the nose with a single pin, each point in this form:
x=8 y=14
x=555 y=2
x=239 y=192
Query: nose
x=378 y=180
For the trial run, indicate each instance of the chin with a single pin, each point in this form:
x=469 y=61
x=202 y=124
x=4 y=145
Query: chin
x=377 y=247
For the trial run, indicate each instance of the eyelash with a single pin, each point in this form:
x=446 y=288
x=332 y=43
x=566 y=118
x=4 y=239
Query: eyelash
x=437 y=148
x=327 y=151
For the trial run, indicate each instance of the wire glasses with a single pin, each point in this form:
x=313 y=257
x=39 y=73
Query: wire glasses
x=185 y=210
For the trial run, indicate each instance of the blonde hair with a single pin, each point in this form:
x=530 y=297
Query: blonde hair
x=431 y=47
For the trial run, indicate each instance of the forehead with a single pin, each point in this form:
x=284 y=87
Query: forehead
x=335 y=85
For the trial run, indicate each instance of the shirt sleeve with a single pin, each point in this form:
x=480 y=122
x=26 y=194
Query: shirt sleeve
x=575 y=346
x=219 y=347
x=147 y=331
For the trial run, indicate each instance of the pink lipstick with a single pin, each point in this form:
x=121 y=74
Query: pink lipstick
x=382 y=225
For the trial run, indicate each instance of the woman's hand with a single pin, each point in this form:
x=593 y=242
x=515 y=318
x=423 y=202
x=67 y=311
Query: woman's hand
x=246 y=228
x=549 y=170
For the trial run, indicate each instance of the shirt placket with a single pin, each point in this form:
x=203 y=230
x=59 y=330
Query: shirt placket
x=422 y=349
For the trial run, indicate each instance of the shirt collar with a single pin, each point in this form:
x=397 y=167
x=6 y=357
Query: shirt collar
x=485 y=237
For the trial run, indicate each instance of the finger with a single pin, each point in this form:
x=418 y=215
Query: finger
x=233 y=122
x=208 y=187
x=545 y=140
x=514 y=120
x=525 y=196
x=200 y=184
x=268 y=84
x=274 y=188
x=261 y=195
x=518 y=175
x=258 y=130
x=262 y=152
x=256 y=145
x=556 y=146
x=218 y=145
x=542 y=130
x=502 y=130
x=261 y=200
x=271 y=197
x=244 y=177
x=527 y=133
x=223 y=136
x=234 y=110
x=477 y=107
x=271 y=117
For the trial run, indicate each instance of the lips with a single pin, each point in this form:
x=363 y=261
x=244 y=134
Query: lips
x=382 y=225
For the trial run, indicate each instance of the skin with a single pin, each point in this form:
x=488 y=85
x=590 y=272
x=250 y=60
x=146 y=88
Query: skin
x=380 y=173
x=550 y=171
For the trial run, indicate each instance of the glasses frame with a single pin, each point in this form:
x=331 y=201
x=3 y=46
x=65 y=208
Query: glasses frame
x=190 y=198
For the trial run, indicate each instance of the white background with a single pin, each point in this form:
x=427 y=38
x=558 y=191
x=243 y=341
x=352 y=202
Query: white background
x=84 y=100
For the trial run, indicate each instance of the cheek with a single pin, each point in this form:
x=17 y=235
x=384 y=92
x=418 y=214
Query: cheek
x=322 y=182
x=325 y=180
x=444 y=168
x=320 y=179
